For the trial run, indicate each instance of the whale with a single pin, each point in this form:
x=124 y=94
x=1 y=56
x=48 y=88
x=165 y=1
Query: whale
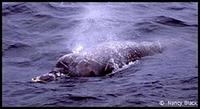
x=100 y=59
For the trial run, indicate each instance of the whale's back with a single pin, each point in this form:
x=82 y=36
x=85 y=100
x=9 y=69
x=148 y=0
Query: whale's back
x=100 y=59
x=120 y=50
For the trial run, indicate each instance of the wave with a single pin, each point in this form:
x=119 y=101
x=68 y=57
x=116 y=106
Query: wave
x=171 y=21
x=17 y=8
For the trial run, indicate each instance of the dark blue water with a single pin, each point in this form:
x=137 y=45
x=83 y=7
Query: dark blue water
x=35 y=35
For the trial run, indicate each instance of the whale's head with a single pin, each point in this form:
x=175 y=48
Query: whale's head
x=44 y=78
x=51 y=76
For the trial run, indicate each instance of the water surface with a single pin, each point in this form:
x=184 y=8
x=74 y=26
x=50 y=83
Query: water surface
x=35 y=35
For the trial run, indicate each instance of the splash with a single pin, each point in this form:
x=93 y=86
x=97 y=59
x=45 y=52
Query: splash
x=78 y=48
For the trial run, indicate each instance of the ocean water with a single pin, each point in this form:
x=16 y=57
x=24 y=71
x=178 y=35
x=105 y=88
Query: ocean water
x=36 y=35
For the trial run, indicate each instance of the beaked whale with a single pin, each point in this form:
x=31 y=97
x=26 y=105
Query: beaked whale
x=100 y=60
